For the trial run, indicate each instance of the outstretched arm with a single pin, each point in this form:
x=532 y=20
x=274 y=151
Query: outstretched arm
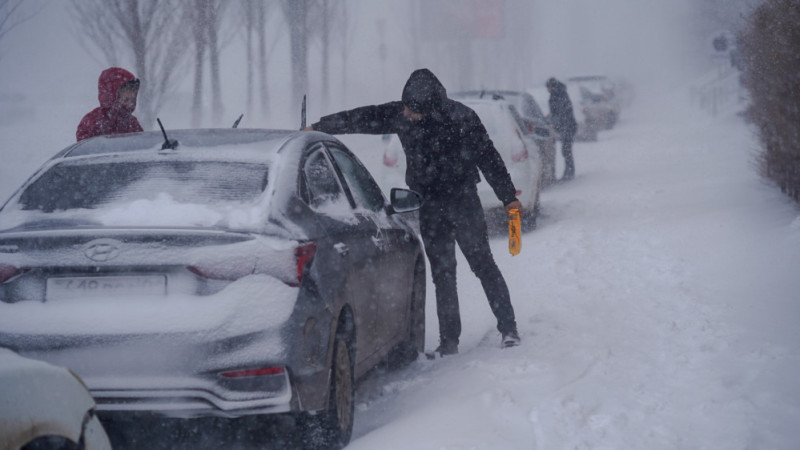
x=375 y=119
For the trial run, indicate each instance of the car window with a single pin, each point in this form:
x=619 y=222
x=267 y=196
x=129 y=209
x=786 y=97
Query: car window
x=530 y=108
x=366 y=192
x=520 y=121
x=324 y=191
x=68 y=185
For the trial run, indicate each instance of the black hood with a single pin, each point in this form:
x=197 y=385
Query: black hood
x=556 y=85
x=423 y=92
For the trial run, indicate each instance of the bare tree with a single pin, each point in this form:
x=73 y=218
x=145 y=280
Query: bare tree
x=254 y=20
x=12 y=14
x=146 y=32
x=326 y=10
x=248 y=11
x=344 y=33
x=296 y=12
x=327 y=26
x=261 y=28
x=196 y=16
x=205 y=17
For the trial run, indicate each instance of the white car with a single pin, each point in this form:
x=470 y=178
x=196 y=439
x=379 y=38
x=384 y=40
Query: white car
x=521 y=157
x=533 y=124
x=45 y=406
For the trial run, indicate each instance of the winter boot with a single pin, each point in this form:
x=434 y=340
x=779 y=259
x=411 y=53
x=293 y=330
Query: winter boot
x=510 y=339
x=447 y=348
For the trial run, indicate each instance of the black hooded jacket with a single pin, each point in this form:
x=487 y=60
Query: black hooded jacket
x=561 y=115
x=444 y=150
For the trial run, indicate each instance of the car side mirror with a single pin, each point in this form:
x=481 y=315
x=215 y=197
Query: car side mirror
x=403 y=200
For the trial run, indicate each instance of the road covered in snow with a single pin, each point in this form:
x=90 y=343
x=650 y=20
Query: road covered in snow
x=656 y=302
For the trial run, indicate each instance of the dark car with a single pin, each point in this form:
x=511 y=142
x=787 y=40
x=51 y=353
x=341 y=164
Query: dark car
x=532 y=122
x=241 y=273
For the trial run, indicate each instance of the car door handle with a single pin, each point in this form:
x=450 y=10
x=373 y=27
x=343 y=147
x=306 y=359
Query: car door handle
x=342 y=248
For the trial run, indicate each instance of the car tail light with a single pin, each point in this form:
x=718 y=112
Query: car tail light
x=262 y=371
x=228 y=269
x=389 y=161
x=224 y=270
x=519 y=153
x=8 y=272
x=303 y=255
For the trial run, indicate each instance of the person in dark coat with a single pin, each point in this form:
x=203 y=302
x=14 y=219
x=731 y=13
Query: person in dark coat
x=117 y=91
x=445 y=145
x=563 y=120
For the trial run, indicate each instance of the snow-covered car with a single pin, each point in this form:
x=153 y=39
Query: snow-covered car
x=45 y=406
x=533 y=125
x=598 y=100
x=242 y=272
x=522 y=159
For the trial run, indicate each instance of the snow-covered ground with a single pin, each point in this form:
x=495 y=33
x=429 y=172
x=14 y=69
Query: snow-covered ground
x=656 y=301
x=657 y=304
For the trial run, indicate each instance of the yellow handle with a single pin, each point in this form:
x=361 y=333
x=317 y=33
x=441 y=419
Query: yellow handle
x=514 y=232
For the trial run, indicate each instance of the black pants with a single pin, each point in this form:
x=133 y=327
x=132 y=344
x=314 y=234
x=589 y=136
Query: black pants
x=566 y=151
x=460 y=219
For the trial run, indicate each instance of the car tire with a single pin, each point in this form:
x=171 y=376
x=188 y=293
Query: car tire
x=531 y=213
x=548 y=151
x=408 y=350
x=611 y=121
x=530 y=217
x=51 y=443
x=333 y=428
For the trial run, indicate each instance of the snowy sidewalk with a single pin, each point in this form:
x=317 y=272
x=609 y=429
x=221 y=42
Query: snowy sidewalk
x=656 y=304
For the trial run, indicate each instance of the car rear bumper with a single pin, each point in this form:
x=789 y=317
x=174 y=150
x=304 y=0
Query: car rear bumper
x=191 y=403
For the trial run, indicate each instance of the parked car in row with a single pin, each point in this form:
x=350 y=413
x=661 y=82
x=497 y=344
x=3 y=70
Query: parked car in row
x=520 y=155
x=601 y=107
x=532 y=123
x=43 y=406
x=237 y=273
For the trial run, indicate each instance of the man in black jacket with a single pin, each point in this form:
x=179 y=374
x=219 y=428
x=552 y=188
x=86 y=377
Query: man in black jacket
x=445 y=145
x=563 y=120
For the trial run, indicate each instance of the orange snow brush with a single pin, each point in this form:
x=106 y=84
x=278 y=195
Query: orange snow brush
x=514 y=232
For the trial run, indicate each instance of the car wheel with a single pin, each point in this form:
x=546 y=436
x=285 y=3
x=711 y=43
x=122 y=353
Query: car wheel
x=407 y=351
x=549 y=163
x=611 y=121
x=332 y=429
x=50 y=443
x=531 y=214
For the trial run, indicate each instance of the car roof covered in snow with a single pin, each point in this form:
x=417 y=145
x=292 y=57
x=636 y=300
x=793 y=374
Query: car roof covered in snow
x=268 y=141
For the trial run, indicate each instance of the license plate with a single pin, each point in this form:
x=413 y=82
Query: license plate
x=108 y=286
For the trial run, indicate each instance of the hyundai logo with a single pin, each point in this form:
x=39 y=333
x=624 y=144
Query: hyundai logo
x=102 y=250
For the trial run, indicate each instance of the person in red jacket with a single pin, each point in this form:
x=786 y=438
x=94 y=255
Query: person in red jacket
x=117 y=90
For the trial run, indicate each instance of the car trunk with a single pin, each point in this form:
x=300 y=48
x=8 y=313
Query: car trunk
x=170 y=304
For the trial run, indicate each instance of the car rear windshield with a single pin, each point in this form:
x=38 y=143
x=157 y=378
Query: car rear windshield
x=91 y=186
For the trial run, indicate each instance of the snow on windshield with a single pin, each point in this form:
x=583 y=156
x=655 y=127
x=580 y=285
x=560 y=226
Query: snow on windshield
x=145 y=193
x=164 y=210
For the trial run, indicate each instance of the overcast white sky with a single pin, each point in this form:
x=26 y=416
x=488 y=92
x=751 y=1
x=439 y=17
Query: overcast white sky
x=649 y=42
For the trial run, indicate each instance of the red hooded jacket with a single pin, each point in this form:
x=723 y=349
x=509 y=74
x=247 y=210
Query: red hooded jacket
x=108 y=118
